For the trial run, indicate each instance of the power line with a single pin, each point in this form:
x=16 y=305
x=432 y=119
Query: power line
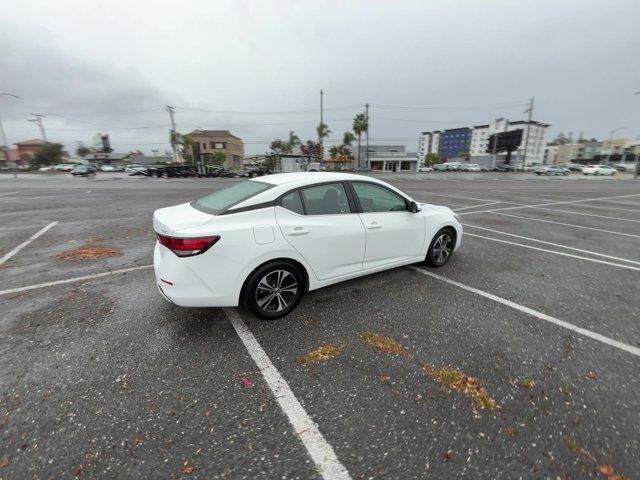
x=450 y=108
x=290 y=112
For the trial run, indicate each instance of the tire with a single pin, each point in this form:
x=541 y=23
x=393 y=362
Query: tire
x=436 y=255
x=274 y=290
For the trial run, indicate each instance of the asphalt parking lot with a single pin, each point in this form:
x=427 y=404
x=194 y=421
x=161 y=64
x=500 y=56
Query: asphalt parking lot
x=518 y=359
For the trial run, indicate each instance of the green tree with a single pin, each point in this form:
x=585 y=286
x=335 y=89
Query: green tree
x=464 y=155
x=217 y=158
x=49 y=154
x=360 y=126
x=561 y=139
x=431 y=159
x=348 y=139
x=280 y=147
x=323 y=131
x=293 y=140
x=81 y=151
x=311 y=149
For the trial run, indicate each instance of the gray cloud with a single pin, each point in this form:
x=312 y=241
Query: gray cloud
x=473 y=61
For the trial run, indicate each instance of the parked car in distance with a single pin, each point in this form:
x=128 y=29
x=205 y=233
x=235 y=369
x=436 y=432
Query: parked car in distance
x=83 y=171
x=440 y=167
x=46 y=169
x=486 y=168
x=551 y=170
x=574 y=167
x=470 y=167
x=599 y=170
x=107 y=168
x=262 y=243
x=505 y=168
x=620 y=168
x=425 y=169
x=361 y=169
x=134 y=168
x=65 y=167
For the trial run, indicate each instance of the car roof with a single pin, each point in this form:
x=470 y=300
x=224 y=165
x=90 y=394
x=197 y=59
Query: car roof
x=310 y=177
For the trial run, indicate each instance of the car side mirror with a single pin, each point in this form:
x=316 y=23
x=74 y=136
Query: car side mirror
x=413 y=207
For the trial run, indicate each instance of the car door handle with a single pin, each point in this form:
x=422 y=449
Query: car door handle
x=374 y=226
x=297 y=231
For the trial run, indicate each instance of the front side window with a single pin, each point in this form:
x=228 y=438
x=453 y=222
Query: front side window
x=221 y=200
x=374 y=198
x=329 y=199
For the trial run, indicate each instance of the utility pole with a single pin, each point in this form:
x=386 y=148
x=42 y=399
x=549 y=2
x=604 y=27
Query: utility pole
x=38 y=120
x=320 y=129
x=637 y=167
x=171 y=111
x=366 y=106
x=526 y=138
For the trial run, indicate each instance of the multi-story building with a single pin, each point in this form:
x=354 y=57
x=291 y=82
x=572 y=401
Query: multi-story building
x=206 y=143
x=475 y=140
x=429 y=142
x=568 y=152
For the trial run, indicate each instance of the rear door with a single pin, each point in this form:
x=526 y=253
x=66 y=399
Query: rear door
x=394 y=234
x=318 y=221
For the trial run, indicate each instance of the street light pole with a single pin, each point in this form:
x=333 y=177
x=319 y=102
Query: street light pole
x=526 y=140
x=38 y=120
x=5 y=143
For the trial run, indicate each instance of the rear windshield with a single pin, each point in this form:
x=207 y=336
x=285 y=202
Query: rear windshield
x=221 y=200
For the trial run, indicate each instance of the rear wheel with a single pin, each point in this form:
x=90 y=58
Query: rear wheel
x=441 y=248
x=274 y=290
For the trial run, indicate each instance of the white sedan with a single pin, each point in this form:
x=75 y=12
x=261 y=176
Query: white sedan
x=263 y=243
x=599 y=170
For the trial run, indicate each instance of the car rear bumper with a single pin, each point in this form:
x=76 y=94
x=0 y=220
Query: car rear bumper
x=179 y=284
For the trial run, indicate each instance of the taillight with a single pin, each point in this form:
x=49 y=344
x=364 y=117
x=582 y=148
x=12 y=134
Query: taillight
x=188 y=247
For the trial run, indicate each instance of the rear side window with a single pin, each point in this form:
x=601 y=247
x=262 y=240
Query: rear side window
x=374 y=198
x=328 y=199
x=221 y=200
x=291 y=201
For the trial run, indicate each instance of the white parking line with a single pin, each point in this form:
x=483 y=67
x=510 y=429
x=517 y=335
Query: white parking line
x=635 y=210
x=555 y=252
x=322 y=454
x=7 y=194
x=542 y=316
x=589 y=252
x=587 y=214
x=552 y=203
x=72 y=280
x=7 y=256
x=568 y=224
x=475 y=206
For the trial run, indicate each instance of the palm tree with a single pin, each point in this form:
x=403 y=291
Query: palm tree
x=323 y=132
x=293 y=139
x=348 y=138
x=360 y=126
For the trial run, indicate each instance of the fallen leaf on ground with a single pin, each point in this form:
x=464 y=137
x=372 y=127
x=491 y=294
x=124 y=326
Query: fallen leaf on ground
x=606 y=470
x=566 y=391
x=321 y=354
x=512 y=431
x=527 y=383
x=246 y=382
x=91 y=251
x=188 y=470
x=591 y=376
x=470 y=386
x=386 y=344
x=572 y=445
x=385 y=378
x=5 y=462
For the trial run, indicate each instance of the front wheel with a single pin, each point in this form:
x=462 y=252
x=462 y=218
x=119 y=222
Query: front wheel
x=274 y=290
x=441 y=248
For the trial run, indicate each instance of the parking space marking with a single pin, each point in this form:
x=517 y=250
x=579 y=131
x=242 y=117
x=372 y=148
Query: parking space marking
x=10 y=254
x=7 y=194
x=567 y=224
x=321 y=452
x=587 y=214
x=73 y=280
x=553 y=244
x=530 y=311
x=554 y=252
x=604 y=207
x=476 y=206
x=552 y=203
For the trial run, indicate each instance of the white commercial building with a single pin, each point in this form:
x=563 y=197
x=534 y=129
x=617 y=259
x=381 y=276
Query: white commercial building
x=429 y=142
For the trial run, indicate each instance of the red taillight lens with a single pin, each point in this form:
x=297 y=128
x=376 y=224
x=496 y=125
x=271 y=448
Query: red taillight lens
x=187 y=247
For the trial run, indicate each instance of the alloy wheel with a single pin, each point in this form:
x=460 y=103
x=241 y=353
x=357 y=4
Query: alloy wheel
x=276 y=291
x=442 y=248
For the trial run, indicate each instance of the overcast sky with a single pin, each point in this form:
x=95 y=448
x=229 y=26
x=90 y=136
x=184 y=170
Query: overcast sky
x=110 y=67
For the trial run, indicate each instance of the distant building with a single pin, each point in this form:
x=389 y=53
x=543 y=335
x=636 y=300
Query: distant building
x=451 y=143
x=568 y=152
x=107 y=158
x=208 y=142
x=27 y=149
x=390 y=158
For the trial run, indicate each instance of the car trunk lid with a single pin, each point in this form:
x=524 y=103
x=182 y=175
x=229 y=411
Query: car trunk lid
x=171 y=220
